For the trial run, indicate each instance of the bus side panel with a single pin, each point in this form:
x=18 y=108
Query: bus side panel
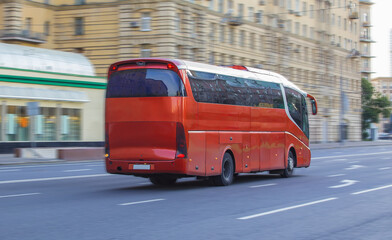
x=255 y=153
x=246 y=153
x=272 y=151
x=268 y=119
x=197 y=154
x=213 y=154
x=234 y=141
x=302 y=152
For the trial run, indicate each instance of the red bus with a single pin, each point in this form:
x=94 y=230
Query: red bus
x=166 y=119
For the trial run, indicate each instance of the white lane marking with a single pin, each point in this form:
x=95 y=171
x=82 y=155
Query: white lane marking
x=353 y=167
x=354 y=162
x=371 y=190
x=52 y=165
x=339 y=160
x=285 y=209
x=386 y=158
x=264 y=185
x=19 y=195
x=9 y=170
x=352 y=155
x=77 y=170
x=146 y=201
x=345 y=183
x=384 y=168
x=53 y=178
x=337 y=175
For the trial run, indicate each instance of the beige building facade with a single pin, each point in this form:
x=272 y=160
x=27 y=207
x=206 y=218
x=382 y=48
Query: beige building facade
x=314 y=43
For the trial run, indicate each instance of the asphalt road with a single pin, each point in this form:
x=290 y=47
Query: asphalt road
x=346 y=193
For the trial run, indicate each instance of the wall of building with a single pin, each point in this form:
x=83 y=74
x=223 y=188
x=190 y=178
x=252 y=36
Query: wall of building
x=310 y=43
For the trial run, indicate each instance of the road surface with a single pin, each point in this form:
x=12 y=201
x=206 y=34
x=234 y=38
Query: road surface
x=346 y=193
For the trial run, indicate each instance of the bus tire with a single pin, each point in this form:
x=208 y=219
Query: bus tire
x=288 y=172
x=163 y=180
x=227 y=175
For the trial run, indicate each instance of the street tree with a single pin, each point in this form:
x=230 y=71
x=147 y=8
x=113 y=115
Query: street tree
x=373 y=105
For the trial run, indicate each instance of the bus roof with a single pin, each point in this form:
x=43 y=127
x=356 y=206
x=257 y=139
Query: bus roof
x=251 y=73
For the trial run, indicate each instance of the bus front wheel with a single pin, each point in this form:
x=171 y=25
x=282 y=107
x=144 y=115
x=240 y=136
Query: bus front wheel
x=227 y=175
x=288 y=172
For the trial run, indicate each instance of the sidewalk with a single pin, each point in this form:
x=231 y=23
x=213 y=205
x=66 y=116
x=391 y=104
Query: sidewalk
x=10 y=159
x=318 y=146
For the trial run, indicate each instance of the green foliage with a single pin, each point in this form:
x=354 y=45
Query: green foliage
x=373 y=104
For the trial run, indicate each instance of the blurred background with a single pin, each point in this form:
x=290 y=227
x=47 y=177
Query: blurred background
x=54 y=56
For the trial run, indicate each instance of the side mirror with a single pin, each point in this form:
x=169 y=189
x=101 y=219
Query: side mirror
x=314 y=106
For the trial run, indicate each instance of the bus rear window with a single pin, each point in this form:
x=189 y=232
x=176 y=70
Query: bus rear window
x=145 y=83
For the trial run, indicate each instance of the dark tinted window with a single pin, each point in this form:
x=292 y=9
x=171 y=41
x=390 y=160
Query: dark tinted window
x=222 y=89
x=305 y=120
x=265 y=94
x=145 y=83
x=294 y=105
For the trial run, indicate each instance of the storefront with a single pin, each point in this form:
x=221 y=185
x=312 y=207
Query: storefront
x=70 y=99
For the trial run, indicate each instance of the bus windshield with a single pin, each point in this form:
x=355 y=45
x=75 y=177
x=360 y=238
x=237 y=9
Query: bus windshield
x=144 y=83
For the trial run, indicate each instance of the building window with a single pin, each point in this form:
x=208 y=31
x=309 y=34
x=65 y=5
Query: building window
x=259 y=17
x=304 y=9
x=80 y=2
x=222 y=33
x=28 y=24
x=177 y=22
x=231 y=36
x=304 y=30
x=229 y=6
x=79 y=28
x=220 y=6
x=145 y=52
x=311 y=11
x=211 y=6
x=211 y=59
x=251 y=14
x=289 y=5
x=212 y=31
x=47 y=28
x=241 y=10
x=146 y=22
x=242 y=38
x=70 y=124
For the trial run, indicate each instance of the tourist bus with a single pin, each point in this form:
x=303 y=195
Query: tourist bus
x=166 y=119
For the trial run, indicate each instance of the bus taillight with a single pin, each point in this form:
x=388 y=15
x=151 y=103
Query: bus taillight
x=181 y=141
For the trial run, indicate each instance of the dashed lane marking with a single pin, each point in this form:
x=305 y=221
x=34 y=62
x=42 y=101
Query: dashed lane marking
x=286 y=209
x=19 y=195
x=264 y=185
x=140 y=202
x=372 y=189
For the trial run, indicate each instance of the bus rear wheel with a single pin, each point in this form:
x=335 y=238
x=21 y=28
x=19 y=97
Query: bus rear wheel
x=227 y=175
x=288 y=172
x=163 y=180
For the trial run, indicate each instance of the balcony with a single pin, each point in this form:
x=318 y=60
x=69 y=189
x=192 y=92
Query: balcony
x=365 y=38
x=366 y=70
x=22 y=35
x=354 y=15
x=366 y=2
x=366 y=24
x=234 y=21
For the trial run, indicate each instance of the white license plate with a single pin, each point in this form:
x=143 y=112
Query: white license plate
x=141 y=167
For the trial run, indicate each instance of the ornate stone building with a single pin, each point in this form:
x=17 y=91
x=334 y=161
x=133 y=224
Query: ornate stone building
x=315 y=43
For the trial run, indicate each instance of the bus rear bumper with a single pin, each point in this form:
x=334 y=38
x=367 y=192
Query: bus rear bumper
x=145 y=168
